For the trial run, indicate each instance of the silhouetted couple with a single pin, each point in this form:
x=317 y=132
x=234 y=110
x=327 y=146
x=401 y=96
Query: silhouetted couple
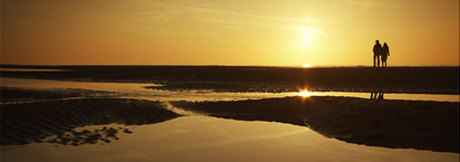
x=381 y=53
x=375 y=95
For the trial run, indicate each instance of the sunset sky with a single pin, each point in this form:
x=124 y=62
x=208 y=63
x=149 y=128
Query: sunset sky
x=233 y=32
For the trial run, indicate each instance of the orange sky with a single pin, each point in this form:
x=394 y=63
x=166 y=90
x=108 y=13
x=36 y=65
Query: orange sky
x=244 y=32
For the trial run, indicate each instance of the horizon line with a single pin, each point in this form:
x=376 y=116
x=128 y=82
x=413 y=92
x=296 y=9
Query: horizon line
x=300 y=66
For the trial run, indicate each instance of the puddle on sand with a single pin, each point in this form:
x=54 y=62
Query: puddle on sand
x=137 y=90
x=31 y=70
x=203 y=138
x=200 y=138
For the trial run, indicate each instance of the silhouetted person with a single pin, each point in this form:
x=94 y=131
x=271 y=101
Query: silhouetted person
x=385 y=54
x=373 y=95
x=380 y=96
x=376 y=95
x=377 y=52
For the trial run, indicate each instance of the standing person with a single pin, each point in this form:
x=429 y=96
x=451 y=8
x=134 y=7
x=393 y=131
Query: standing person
x=385 y=54
x=377 y=52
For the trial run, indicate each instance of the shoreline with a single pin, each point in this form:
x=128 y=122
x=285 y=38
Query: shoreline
x=422 y=125
x=28 y=66
x=419 y=125
x=428 y=80
x=144 y=90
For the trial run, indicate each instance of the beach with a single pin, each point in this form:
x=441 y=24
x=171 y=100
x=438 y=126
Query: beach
x=79 y=108
x=229 y=81
x=428 y=80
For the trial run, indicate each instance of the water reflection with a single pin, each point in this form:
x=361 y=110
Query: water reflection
x=31 y=70
x=390 y=123
x=138 y=91
x=85 y=136
x=376 y=96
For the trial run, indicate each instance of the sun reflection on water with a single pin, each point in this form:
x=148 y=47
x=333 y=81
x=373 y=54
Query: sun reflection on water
x=305 y=93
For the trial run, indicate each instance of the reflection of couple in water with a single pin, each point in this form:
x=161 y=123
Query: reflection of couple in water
x=381 y=53
x=375 y=95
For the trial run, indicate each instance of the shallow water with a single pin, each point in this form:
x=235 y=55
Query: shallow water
x=137 y=90
x=199 y=138
x=196 y=137
x=30 y=70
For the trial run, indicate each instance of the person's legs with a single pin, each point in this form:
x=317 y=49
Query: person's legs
x=375 y=57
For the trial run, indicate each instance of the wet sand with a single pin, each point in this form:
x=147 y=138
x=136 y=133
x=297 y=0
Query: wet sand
x=31 y=116
x=388 y=123
x=15 y=94
x=428 y=80
x=23 y=123
x=423 y=125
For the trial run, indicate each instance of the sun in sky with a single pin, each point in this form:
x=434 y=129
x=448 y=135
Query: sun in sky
x=306 y=65
x=306 y=37
x=239 y=32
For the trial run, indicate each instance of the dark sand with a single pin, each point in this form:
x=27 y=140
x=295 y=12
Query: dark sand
x=429 y=80
x=14 y=94
x=387 y=123
x=36 y=122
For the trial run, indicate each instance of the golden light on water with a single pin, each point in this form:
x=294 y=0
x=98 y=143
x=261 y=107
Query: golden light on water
x=305 y=93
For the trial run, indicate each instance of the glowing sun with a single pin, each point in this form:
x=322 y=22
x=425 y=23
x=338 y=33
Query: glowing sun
x=306 y=65
x=306 y=37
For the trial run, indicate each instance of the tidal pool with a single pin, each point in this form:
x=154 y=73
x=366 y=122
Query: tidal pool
x=196 y=137
x=200 y=138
